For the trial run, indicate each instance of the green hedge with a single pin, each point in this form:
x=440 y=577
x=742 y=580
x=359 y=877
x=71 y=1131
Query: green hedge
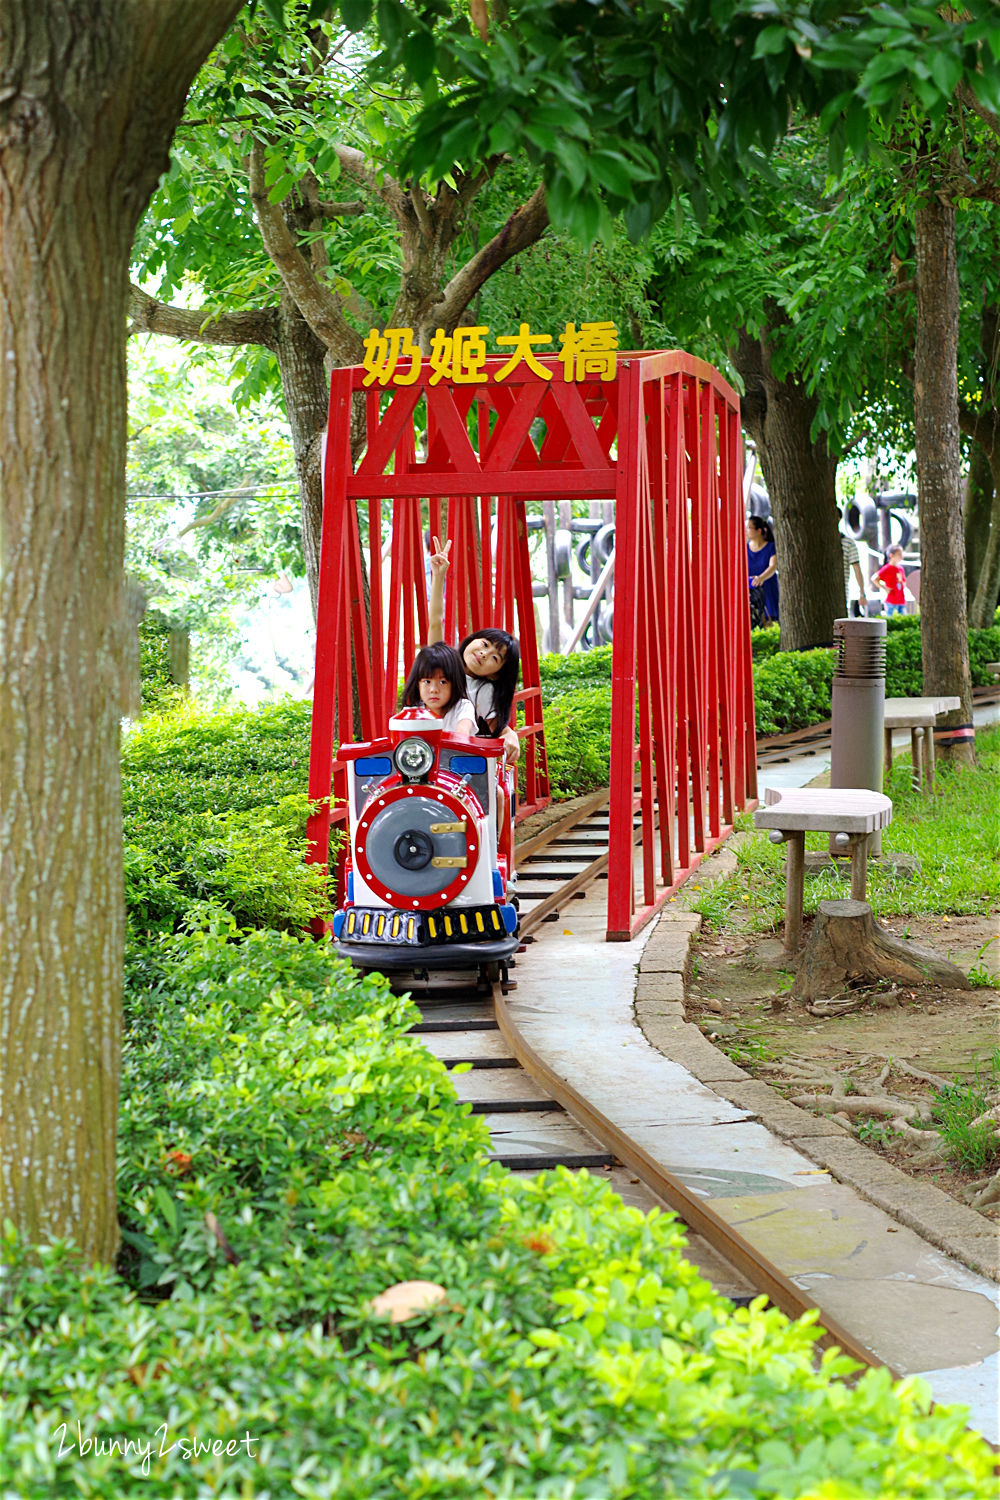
x=288 y=1152
x=158 y=687
x=765 y=642
x=792 y=689
x=214 y=818
x=578 y=740
x=565 y=674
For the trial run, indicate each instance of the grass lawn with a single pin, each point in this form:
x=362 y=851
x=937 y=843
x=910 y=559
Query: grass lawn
x=954 y=832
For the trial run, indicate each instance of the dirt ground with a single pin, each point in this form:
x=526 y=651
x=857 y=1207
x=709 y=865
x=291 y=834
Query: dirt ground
x=739 y=994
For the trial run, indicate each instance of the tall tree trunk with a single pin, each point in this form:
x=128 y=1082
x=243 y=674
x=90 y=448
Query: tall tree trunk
x=943 y=616
x=306 y=388
x=800 y=475
x=984 y=603
x=91 y=95
x=981 y=422
x=976 y=513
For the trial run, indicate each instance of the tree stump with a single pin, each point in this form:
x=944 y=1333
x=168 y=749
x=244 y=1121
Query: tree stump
x=847 y=949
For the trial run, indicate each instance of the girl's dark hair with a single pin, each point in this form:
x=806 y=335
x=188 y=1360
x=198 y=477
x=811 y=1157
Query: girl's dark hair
x=430 y=659
x=505 y=681
x=763 y=527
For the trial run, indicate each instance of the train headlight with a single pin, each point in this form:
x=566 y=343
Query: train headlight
x=413 y=758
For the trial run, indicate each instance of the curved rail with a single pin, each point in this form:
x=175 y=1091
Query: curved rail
x=727 y=1242
x=722 y=1238
x=554 y=865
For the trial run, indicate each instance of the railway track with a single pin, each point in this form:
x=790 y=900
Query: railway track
x=776 y=749
x=537 y=1120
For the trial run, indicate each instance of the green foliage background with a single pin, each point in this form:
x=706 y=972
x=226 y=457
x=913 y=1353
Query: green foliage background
x=287 y=1151
x=792 y=689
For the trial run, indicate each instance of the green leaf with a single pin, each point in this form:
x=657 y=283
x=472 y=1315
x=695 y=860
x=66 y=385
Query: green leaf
x=856 y=128
x=946 y=69
x=573 y=162
x=885 y=65
x=355 y=14
x=393 y=21
x=375 y=125
x=771 y=40
x=987 y=90
x=638 y=219
x=281 y=189
x=612 y=172
x=327 y=163
x=540 y=136
x=419 y=54
x=585 y=218
x=167 y=1206
x=834 y=109
x=559 y=198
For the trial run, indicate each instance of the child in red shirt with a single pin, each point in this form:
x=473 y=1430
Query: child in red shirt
x=892 y=578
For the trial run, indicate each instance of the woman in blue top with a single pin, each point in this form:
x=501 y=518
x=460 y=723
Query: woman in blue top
x=762 y=565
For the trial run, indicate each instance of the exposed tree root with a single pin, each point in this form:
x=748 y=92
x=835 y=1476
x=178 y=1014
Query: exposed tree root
x=848 y=950
x=988 y=1194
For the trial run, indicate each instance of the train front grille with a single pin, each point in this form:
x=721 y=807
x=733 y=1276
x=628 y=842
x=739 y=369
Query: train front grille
x=456 y=924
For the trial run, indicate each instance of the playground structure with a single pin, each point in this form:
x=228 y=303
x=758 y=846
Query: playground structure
x=874 y=523
x=656 y=435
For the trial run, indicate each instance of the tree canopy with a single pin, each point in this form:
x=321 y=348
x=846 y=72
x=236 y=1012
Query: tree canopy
x=623 y=106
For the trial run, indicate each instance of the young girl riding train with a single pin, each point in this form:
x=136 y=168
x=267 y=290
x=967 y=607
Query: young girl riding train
x=489 y=659
x=437 y=682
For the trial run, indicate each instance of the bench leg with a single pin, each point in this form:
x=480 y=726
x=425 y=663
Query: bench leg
x=795 y=867
x=929 y=758
x=915 y=757
x=859 y=867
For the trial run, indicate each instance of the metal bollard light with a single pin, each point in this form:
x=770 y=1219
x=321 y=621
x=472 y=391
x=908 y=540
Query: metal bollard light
x=856 y=744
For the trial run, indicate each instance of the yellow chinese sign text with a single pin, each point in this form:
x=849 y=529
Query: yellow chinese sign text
x=393 y=357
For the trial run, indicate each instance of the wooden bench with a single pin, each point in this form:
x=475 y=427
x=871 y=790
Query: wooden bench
x=919 y=716
x=851 y=812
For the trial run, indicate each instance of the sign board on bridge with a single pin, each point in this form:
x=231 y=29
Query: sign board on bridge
x=395 y=358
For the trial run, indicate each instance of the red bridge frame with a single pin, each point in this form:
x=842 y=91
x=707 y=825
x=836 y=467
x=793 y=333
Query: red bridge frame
x=663 y=440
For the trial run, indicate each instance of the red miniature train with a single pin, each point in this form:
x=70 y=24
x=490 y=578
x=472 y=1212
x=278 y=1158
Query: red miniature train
x=430 y=870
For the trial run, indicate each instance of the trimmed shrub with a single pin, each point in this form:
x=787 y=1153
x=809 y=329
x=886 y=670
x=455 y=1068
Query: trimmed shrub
x=256 y=1073
x=904 y=673
x=159 y=689
x=792 y=689
x=287 y=1153
x=226 y=760
x=578 y=740
x=564 y=674
x=215 y=813
x=765 y=642
x=984 y=646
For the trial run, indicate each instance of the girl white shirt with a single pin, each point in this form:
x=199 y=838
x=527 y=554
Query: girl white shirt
x=463 y=709
x=482 y=696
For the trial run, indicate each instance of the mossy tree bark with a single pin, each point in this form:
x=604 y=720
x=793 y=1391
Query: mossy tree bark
x=982 y=500
x=943 y=614
x=979 y=496
x=800 y=475
x=90 y=94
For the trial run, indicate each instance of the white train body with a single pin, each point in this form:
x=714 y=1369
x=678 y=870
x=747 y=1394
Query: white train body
x=430 y=864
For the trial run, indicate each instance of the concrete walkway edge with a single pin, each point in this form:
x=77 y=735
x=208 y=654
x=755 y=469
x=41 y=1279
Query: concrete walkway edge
x=959 y=1231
